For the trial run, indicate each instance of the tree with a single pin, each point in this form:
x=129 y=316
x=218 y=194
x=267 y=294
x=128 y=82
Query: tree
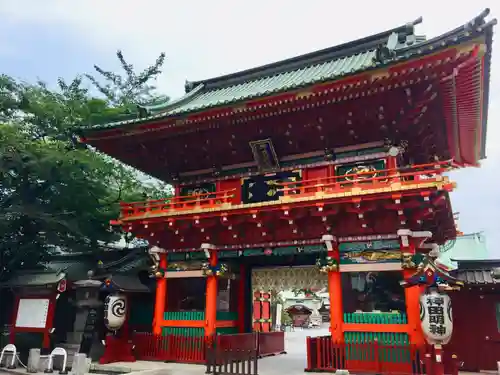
x=55 y=193
x=130 y=88
x=51 y=198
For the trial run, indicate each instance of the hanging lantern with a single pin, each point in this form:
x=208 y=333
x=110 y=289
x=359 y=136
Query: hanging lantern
x=436 y=317
x=115 y=311
x=435 y=306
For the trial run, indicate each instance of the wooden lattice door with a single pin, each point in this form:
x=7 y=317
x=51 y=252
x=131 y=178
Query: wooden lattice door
x=262 y=321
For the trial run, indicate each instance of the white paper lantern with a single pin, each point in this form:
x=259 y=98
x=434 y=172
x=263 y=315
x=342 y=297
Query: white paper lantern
x=115 y=311
x=436 y=317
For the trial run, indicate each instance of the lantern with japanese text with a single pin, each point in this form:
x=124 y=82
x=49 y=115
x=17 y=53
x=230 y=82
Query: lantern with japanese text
x=115 y=311
x=436 y=317
x=435 y=305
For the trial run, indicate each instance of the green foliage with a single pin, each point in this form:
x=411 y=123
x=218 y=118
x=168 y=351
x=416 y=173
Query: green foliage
x=286 y=320
x=130 y=87
x=276 y=298
x=306 y=291
x=51 y=196
x=56 y=193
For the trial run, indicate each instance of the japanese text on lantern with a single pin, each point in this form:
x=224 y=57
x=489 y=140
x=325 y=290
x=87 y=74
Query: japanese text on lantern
x=435 y=311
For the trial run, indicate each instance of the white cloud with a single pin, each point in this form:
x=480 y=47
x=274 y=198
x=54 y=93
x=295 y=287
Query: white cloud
x=203 y=39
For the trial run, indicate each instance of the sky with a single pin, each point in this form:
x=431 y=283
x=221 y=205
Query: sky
x=202 y=39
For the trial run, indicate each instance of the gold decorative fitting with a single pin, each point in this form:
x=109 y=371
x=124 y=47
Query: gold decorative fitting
x=217 y=270
x=327 y=264
x=407 y=261
x=304 y=94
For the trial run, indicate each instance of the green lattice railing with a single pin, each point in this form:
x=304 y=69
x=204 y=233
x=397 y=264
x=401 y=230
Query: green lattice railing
x=196 y=316
x=184 y=315
x=199 y=315
x=383 y=338
x=375 y=318
x=183 y=331
x=394 y=347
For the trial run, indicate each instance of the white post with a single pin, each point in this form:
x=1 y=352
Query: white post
x=33 y=360
x=12 y=349
x=57 y=351
x=79 y=366
x=279 y=309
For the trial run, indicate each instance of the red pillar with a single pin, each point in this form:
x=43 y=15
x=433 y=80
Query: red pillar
x=211 y=298
x=392 y=165
x=412 y=298
x=242 y=303
x=161 y=298
x=335 y=293
x=438 y=360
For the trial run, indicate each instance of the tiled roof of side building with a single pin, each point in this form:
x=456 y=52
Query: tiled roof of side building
x=329 y=64
x=477 y=277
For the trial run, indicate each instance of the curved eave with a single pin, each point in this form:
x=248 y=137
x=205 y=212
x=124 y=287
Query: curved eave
x=486 y=97
x=467 y=125
x=452 y=38
x=171 y=105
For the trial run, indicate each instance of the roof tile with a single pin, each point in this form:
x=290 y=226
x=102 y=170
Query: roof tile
x=476 y=277
x=284 y=81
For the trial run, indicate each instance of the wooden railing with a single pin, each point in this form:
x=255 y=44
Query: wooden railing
x=324 y=355
x=294 y=190
x=193 y=349
x=271 y=343
x=233 y=354
x=171 y=348
x=366 y=180
x=179 y=203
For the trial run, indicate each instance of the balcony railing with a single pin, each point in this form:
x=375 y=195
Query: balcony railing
x=179 y=203
x=372 y=179
x=357 y=183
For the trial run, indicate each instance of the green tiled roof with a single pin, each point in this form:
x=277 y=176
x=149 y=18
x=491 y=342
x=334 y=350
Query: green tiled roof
x=467 y=247
x=378 y=50
x=277 y=83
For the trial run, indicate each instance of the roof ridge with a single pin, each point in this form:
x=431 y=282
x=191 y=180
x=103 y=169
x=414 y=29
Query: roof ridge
x=350 y=48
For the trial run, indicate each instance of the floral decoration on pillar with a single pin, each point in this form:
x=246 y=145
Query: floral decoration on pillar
x=154 y=256
x=327 y=264
x=409 y=261
x=219 y=269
